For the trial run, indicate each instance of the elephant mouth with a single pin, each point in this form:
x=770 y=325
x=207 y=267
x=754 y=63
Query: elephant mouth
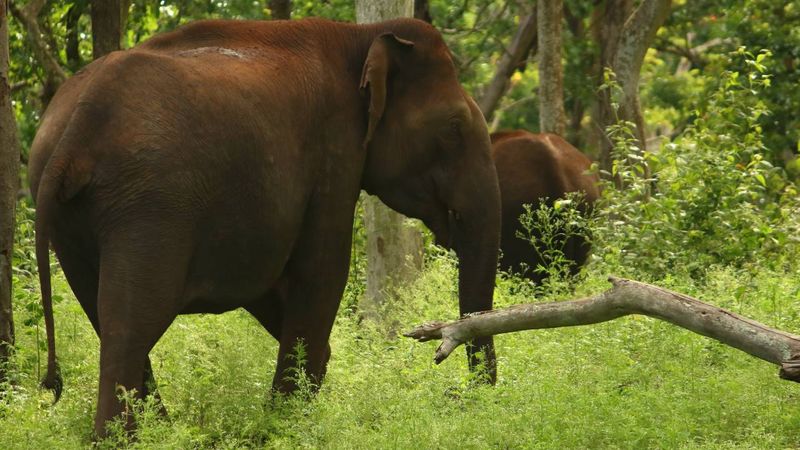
x=444 y=228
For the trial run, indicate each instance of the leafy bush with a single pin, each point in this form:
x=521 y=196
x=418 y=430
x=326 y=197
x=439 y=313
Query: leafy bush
x=712 y=198
x=550 y=228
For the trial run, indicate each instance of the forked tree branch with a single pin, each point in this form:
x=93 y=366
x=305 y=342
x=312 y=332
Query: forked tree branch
x=626 y=297
x=521 y=45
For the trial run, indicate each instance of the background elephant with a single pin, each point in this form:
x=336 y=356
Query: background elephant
x=531 y=167
x=218 y=166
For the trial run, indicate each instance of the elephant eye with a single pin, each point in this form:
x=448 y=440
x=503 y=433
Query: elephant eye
x=455 y=126
x=451 y=136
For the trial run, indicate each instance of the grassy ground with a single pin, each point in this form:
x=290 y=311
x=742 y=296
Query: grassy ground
x=632 y=383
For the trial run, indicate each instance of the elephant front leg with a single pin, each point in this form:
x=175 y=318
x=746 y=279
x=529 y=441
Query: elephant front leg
x=316 y=277
x=309 y=311
x=150 y=388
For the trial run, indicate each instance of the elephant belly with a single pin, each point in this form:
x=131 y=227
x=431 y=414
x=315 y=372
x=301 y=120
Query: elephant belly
x=237 y=261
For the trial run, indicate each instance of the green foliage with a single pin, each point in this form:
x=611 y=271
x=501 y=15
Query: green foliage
x=549 y=229
x=754 y=24
x=634 y=382
x=717 y=200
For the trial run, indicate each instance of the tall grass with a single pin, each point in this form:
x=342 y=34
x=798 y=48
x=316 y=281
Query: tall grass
x=635 y=382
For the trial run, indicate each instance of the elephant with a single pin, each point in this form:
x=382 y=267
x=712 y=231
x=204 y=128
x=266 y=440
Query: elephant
x=218 y=166
x=531 y=167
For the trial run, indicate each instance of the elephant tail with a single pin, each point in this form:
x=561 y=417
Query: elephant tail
x=45 y=199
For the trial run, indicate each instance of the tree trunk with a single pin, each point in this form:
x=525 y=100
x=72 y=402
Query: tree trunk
x=280 y=9
x=552 y=118
x=422 y=11
x=611 y=17
x=575 y=106
x=371 y=11
x=72 y=37
x=108 y=23
x=394 y=249
x=394 y=255
x=626 y=297
x=521 y=46
x=9 y=180
x=626 y=39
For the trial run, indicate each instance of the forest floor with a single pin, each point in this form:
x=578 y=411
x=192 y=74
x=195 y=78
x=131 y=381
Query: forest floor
x=631 y=383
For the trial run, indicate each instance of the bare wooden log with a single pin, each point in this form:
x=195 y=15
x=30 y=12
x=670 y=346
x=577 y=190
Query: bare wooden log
x=626 y=297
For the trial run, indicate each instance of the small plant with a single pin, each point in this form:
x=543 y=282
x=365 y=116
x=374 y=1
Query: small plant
x=145 y=412
x=297 y=373
x=551 y=228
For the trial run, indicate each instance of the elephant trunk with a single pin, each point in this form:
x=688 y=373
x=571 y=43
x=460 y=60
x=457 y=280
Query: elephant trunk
x=477 y=245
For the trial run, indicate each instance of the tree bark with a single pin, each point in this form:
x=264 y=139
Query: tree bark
x=108 y=23
x=552 y=118
x=280 y=9
x=626 y=40
x=394 y=249
x=522 y=44
x=371 y=11
x=72 y=37
x=44 y=54
x=9 y=181
x=422 y=11
x=394 y=255
x=626 y=297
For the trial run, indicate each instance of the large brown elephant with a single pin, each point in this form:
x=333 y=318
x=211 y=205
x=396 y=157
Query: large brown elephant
x=531 y=167
x=218 y=166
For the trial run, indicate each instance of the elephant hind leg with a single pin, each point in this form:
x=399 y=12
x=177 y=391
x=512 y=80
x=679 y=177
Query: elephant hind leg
x=140 y=292
x=80 y=265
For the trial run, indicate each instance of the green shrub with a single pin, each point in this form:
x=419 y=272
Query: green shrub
x=717 y=200
x=549 y=228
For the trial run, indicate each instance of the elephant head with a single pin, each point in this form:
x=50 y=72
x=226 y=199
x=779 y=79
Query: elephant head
x=429 y=157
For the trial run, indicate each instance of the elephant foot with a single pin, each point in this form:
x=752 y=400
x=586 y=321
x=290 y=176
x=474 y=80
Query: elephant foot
x=150 y=390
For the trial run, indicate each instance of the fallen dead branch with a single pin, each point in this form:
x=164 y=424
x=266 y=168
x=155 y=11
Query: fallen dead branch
x=626 y=297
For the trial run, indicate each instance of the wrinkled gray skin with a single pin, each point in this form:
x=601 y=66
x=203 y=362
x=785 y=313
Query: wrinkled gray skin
x=218 y=166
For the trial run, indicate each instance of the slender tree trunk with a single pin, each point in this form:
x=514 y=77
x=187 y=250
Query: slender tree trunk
x=9 y=180
x=552 y=118
x=394 y=249
x=73 y=35
x=522 y=44
x=280 y=9
x=108 y=22
x=574 y=105
x=422 y=11
x=625 y=39
x=637 y=36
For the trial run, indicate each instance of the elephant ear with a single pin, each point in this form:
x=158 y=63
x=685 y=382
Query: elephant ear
x=382 y=56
